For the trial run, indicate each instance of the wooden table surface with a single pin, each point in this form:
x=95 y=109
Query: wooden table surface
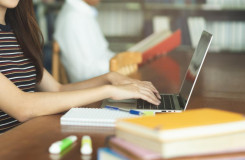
x=221 y=84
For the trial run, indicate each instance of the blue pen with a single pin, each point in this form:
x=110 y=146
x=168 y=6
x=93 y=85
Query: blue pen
x=110 y=107
x=135 y=112
x=125 y=110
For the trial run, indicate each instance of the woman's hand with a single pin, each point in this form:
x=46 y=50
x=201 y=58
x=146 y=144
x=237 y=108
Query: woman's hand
x=134 y=91
x=118 y=79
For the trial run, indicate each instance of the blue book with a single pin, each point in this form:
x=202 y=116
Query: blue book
x=109 y=154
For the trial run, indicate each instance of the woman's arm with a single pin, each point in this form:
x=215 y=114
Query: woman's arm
x=50 y=84
x=23 y=105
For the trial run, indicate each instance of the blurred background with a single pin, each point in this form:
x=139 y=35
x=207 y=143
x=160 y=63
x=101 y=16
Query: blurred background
x=126 y=22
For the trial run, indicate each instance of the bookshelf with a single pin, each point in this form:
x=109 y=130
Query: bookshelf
x=121 y=21
x=136 y=19
x=222 y=18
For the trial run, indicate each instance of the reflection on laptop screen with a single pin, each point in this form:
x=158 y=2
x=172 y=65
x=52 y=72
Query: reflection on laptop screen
x=195 y=65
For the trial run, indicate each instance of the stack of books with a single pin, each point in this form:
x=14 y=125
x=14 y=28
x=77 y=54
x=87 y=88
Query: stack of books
x=198 y=133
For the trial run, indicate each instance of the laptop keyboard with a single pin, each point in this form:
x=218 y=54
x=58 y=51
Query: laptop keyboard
x=167 y=103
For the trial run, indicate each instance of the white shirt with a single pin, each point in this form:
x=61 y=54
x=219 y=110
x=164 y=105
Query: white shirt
x=84 y=50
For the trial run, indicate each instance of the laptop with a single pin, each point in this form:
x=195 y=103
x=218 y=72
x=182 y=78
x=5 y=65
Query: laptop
x=173 y=102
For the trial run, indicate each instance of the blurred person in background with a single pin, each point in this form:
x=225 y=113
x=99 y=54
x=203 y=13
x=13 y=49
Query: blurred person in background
x=84 y=49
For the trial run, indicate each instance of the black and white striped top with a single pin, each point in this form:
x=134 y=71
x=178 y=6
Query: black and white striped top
x=17 y=68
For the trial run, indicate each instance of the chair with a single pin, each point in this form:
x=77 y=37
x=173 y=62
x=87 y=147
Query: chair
x=126 y=62
x=58 y=70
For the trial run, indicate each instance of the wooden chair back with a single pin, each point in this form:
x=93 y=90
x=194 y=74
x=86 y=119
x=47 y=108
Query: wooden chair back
x=58 y=70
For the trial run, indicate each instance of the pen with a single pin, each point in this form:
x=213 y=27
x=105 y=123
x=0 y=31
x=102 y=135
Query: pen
x=59 y=146
x=125 y=110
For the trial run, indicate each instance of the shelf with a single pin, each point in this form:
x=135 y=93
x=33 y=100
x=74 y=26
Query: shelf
x=120 y=5
x=177 y=14
x=119 y=1
x=54 y=5
x=209 y=12
x=192 y=7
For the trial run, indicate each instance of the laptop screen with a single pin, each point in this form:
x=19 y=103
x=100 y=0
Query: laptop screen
x=195 y=66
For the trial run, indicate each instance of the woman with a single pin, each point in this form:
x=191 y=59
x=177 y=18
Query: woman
x=22 y=73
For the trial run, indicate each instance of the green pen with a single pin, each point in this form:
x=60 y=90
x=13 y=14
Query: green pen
x=59 y=146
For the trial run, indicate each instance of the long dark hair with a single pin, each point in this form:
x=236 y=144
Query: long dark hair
x=22 y=21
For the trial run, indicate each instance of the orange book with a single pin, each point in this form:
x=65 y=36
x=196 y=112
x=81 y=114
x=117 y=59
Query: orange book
x=193 y=132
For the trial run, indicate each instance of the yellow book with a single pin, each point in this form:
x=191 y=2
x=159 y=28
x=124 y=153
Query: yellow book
x=190 y=132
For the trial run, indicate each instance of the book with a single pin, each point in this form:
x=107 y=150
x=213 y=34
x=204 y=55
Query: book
x=134 y=152
x=93 y=117
x=161 y=23
x=120 y=19
x=131 y=151
x=150 y=41
x=157 y=43
x=108 y=154
x=193 y=132
x=228 y=35
x=196 y=25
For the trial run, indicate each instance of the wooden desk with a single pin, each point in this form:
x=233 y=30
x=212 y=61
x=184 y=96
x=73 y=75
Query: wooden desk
x=220 y=85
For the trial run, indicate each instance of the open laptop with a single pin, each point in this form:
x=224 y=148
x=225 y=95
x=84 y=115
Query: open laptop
x=174 y=102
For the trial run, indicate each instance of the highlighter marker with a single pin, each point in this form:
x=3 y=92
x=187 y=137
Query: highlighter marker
x=86 y=145
x=59 y=146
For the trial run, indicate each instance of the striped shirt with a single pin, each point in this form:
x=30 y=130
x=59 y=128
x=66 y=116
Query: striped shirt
x=17 y=68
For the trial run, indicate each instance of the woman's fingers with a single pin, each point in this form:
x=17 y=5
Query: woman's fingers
x=149 y=96
x=151 y=86
x=118 y=79
x=143 y=90
x=147 y=92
